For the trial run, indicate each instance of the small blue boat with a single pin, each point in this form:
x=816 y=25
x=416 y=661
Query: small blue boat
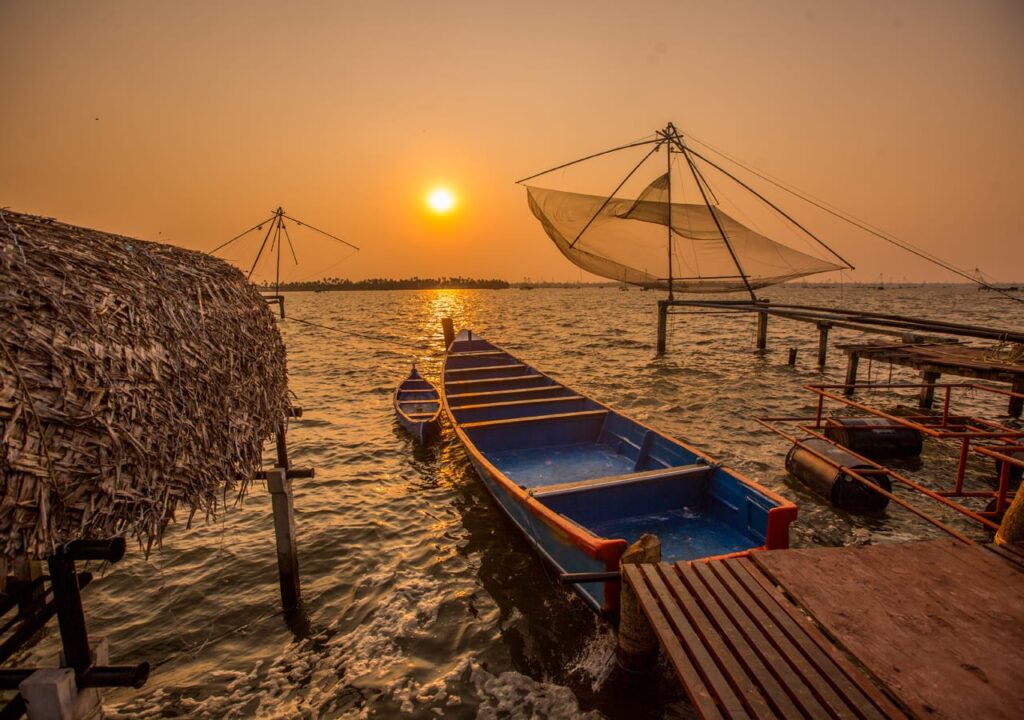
x=582 y=481
x=418 y=406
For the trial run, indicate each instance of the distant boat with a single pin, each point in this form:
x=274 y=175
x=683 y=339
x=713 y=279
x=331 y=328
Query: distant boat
x=582 y=481
x=418 y=406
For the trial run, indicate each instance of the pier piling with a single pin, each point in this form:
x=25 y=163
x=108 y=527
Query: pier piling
x=449 y=331
x=823 y=329
x=280 y=488
x=762 y=327
x=638 y=646
x=662 y=325
x=928 y=391
x=792 y=356
x=851 y=373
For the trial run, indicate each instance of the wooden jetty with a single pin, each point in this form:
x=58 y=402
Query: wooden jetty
x=936 y=359
x=927 y=629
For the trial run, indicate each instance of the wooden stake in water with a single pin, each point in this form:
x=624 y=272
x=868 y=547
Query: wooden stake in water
x=449 y=332
x=638 y=646
x=280 y=488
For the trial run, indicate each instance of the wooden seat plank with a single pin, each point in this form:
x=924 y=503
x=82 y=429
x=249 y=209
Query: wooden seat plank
x=534 y=419
x=484 y=381
x=510 y=403
x=689 y=581
x=711 y=637
x=539 y=388
x=835 y=705
x=695 y=469
x=694 y=685
x=506 y=366
x=477 y=353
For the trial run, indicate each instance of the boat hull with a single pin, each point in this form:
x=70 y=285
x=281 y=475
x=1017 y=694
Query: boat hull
x=581 y=481
x=418 y=407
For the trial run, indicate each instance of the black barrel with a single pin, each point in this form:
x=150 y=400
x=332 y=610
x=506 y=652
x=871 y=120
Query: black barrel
x=839 y=488
x=874 y=437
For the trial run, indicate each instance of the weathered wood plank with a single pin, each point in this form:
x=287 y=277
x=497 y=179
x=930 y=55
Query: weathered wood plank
x=750 y=600
x=940 y=623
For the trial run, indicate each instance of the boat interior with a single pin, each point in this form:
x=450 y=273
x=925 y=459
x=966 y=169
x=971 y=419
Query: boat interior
x=604 y=472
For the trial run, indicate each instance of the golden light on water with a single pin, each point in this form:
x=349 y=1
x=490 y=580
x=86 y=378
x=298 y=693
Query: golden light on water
x=441 y=200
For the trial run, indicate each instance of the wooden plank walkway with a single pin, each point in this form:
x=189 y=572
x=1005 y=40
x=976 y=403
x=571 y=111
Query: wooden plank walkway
x=930 y=629
x=936 y=359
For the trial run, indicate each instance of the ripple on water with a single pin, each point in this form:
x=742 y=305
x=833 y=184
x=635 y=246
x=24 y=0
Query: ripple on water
x=421 y=599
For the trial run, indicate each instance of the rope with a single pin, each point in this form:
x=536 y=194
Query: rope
x=364 y=336
x=856 y=222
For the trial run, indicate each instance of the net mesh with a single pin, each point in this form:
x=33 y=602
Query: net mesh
x=627 y=240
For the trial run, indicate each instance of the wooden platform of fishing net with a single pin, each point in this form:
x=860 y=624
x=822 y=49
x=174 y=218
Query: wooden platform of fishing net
x=138 y=382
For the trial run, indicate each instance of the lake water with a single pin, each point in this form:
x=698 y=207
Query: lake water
x=421 y=598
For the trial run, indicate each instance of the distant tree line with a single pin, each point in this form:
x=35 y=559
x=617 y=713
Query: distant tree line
x=413 y=283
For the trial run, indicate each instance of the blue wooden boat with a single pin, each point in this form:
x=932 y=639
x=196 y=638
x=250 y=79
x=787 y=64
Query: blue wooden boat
x=418 y=406
x=582 y=481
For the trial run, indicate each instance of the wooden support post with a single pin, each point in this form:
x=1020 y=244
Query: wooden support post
x=823 y=329
x=762 y=327
x=851 y=373
x=284 y=530
x=662 y=325
x=638 y=646
x=928 y=391
x=1011 y=529
x=31 y=594
x=282 y=447
x=449 y=332
x=792 y=356
x=1016 y=403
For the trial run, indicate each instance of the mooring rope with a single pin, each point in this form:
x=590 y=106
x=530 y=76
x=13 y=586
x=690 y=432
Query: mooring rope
x=387 y=341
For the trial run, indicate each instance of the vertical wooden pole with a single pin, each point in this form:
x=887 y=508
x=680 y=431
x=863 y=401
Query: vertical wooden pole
x=638 y=646
x=449 y=332
x=928 y=391
x=1016 y=403
x=1011 y=529
x=284 y=530
x=792 y=356
x=762 y=327
x=851 y=372
x=823 y=329
x=662 y=325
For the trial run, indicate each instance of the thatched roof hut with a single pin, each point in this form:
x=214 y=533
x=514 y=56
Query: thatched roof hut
x=136 y=379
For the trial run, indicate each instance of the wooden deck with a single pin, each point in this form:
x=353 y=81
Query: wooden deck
x=936 y=359
x=932 y=629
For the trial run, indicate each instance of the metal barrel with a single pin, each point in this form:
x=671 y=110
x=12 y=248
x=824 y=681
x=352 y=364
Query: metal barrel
x=824 y=477
x=874 y=437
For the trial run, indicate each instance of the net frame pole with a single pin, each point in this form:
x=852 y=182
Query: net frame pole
x=721 y=231
x=277 y=278
x=668 y=178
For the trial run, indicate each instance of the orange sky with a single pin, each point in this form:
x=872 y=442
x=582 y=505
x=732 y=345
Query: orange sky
x=190 y=121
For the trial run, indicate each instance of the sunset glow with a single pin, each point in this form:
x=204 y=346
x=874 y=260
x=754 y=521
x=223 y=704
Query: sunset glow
x=441 y=200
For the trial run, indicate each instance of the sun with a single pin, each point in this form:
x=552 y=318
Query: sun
x=441 y=200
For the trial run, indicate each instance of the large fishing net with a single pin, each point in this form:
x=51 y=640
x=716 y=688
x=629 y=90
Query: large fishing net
x=628 y=240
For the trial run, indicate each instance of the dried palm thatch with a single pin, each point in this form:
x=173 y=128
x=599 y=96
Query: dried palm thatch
x=135 y=378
